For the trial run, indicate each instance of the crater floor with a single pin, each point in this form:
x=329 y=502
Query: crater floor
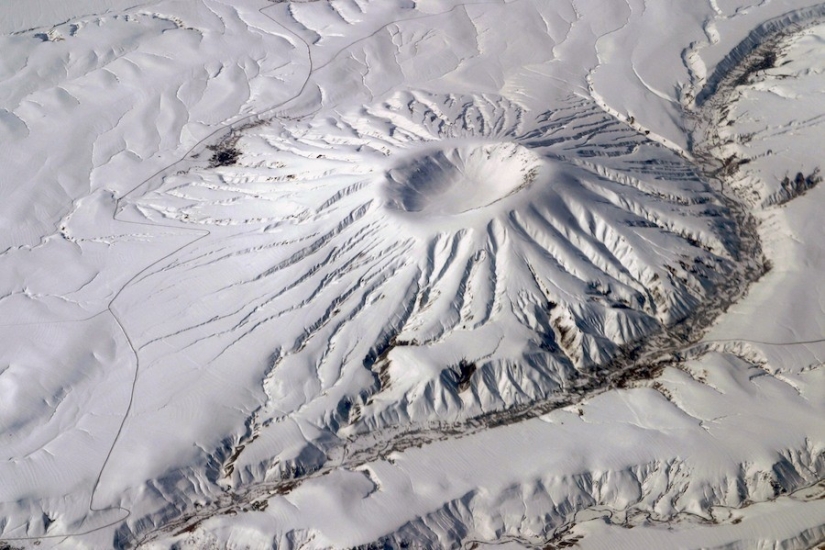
x=449 y=181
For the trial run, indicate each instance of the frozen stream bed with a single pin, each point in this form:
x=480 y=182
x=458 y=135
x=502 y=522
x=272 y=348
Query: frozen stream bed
x=432 y=274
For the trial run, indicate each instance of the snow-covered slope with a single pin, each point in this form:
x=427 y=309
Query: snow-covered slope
x=399 y=273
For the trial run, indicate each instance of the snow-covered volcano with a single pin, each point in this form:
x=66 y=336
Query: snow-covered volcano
x=425 y=258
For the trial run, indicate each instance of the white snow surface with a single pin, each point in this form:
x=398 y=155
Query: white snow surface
x=403 y=273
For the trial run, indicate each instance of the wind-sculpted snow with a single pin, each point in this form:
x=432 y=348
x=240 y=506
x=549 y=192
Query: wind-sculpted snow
x=431 y=273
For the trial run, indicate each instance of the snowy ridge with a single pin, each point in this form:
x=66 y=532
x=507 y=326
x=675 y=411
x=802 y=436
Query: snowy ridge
x=654 y=492
x=747 y=148
x=789 y=23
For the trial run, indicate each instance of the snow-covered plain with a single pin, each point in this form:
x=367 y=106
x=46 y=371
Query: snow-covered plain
x=412 y=274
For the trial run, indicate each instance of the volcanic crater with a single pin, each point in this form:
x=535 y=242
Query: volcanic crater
x=458 y=178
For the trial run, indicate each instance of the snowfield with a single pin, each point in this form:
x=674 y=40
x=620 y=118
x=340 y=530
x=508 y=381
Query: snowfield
x=412 y=274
